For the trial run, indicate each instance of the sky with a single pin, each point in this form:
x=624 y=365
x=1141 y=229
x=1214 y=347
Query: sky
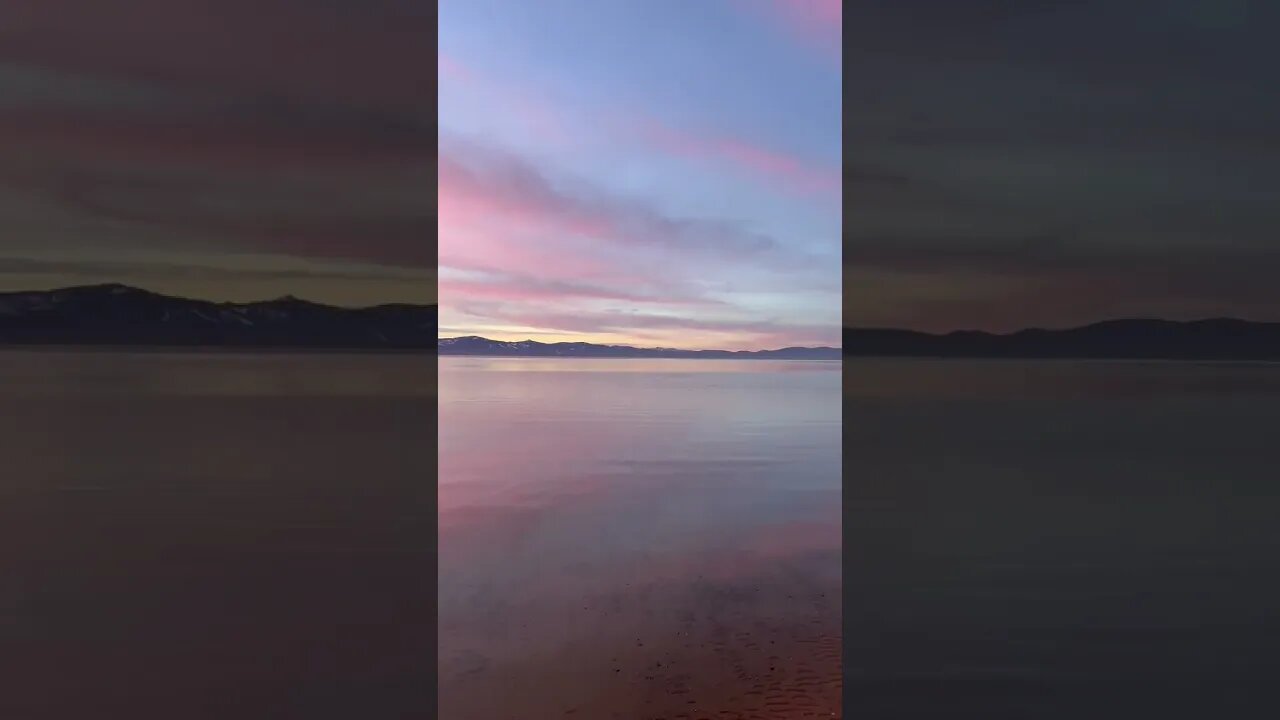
x=221 y=149
x=1049 y=163
x=656 y=171
x=647 y=172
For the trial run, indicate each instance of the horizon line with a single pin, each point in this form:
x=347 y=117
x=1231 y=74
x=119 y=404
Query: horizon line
x=107 y=285
x=637 y=347
x=858 y=328
x=1059 y=328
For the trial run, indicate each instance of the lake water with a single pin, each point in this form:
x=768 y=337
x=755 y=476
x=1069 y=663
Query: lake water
x=639 y=538
x=216 y=536
x=251 y=536
x=1061 y=539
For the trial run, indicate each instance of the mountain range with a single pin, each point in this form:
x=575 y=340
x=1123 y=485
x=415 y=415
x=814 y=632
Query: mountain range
x=119 y=315
x=126 y=316
x=1213 y=339
x=529 y=348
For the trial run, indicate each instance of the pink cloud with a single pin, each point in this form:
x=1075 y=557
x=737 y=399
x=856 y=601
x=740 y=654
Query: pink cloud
x=499 y=222
x=814 y=23
x=498 y=211
x=778 y=168
x=451 y=69
x=540 y=256
x=820 y=14
x=553 y=123
x=526 y=288
x=513 y=196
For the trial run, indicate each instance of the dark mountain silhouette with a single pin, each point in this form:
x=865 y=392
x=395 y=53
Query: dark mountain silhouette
x=530 y=348
x=125 y=316
x=1215 y=339
x=119 y=315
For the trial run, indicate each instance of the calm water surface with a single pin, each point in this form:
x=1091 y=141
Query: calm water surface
x=212 y=536
x=1062 y=539
x=215 y=535
x=639 y=538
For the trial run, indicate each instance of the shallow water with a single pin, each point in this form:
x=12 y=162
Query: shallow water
x=639 y=538
x=215 y=535
x=1061 y=539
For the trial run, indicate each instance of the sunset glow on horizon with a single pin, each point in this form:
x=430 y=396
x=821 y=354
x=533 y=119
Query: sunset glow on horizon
x=642 y=173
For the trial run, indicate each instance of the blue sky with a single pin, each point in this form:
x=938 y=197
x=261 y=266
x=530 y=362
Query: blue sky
x=649 y=171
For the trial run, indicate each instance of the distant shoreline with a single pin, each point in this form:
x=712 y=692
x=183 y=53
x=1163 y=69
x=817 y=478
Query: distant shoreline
x=210 y=349
x=473 y=345
x=278 y=350
x=1214 y=339
x=634 y=357
x=252 y=350
x=285 y=350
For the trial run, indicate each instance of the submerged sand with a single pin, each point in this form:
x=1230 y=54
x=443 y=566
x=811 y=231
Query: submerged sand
x=749 y=634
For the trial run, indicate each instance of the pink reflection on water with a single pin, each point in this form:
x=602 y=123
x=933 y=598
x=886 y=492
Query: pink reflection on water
x=490 y=472
x=600 y=517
